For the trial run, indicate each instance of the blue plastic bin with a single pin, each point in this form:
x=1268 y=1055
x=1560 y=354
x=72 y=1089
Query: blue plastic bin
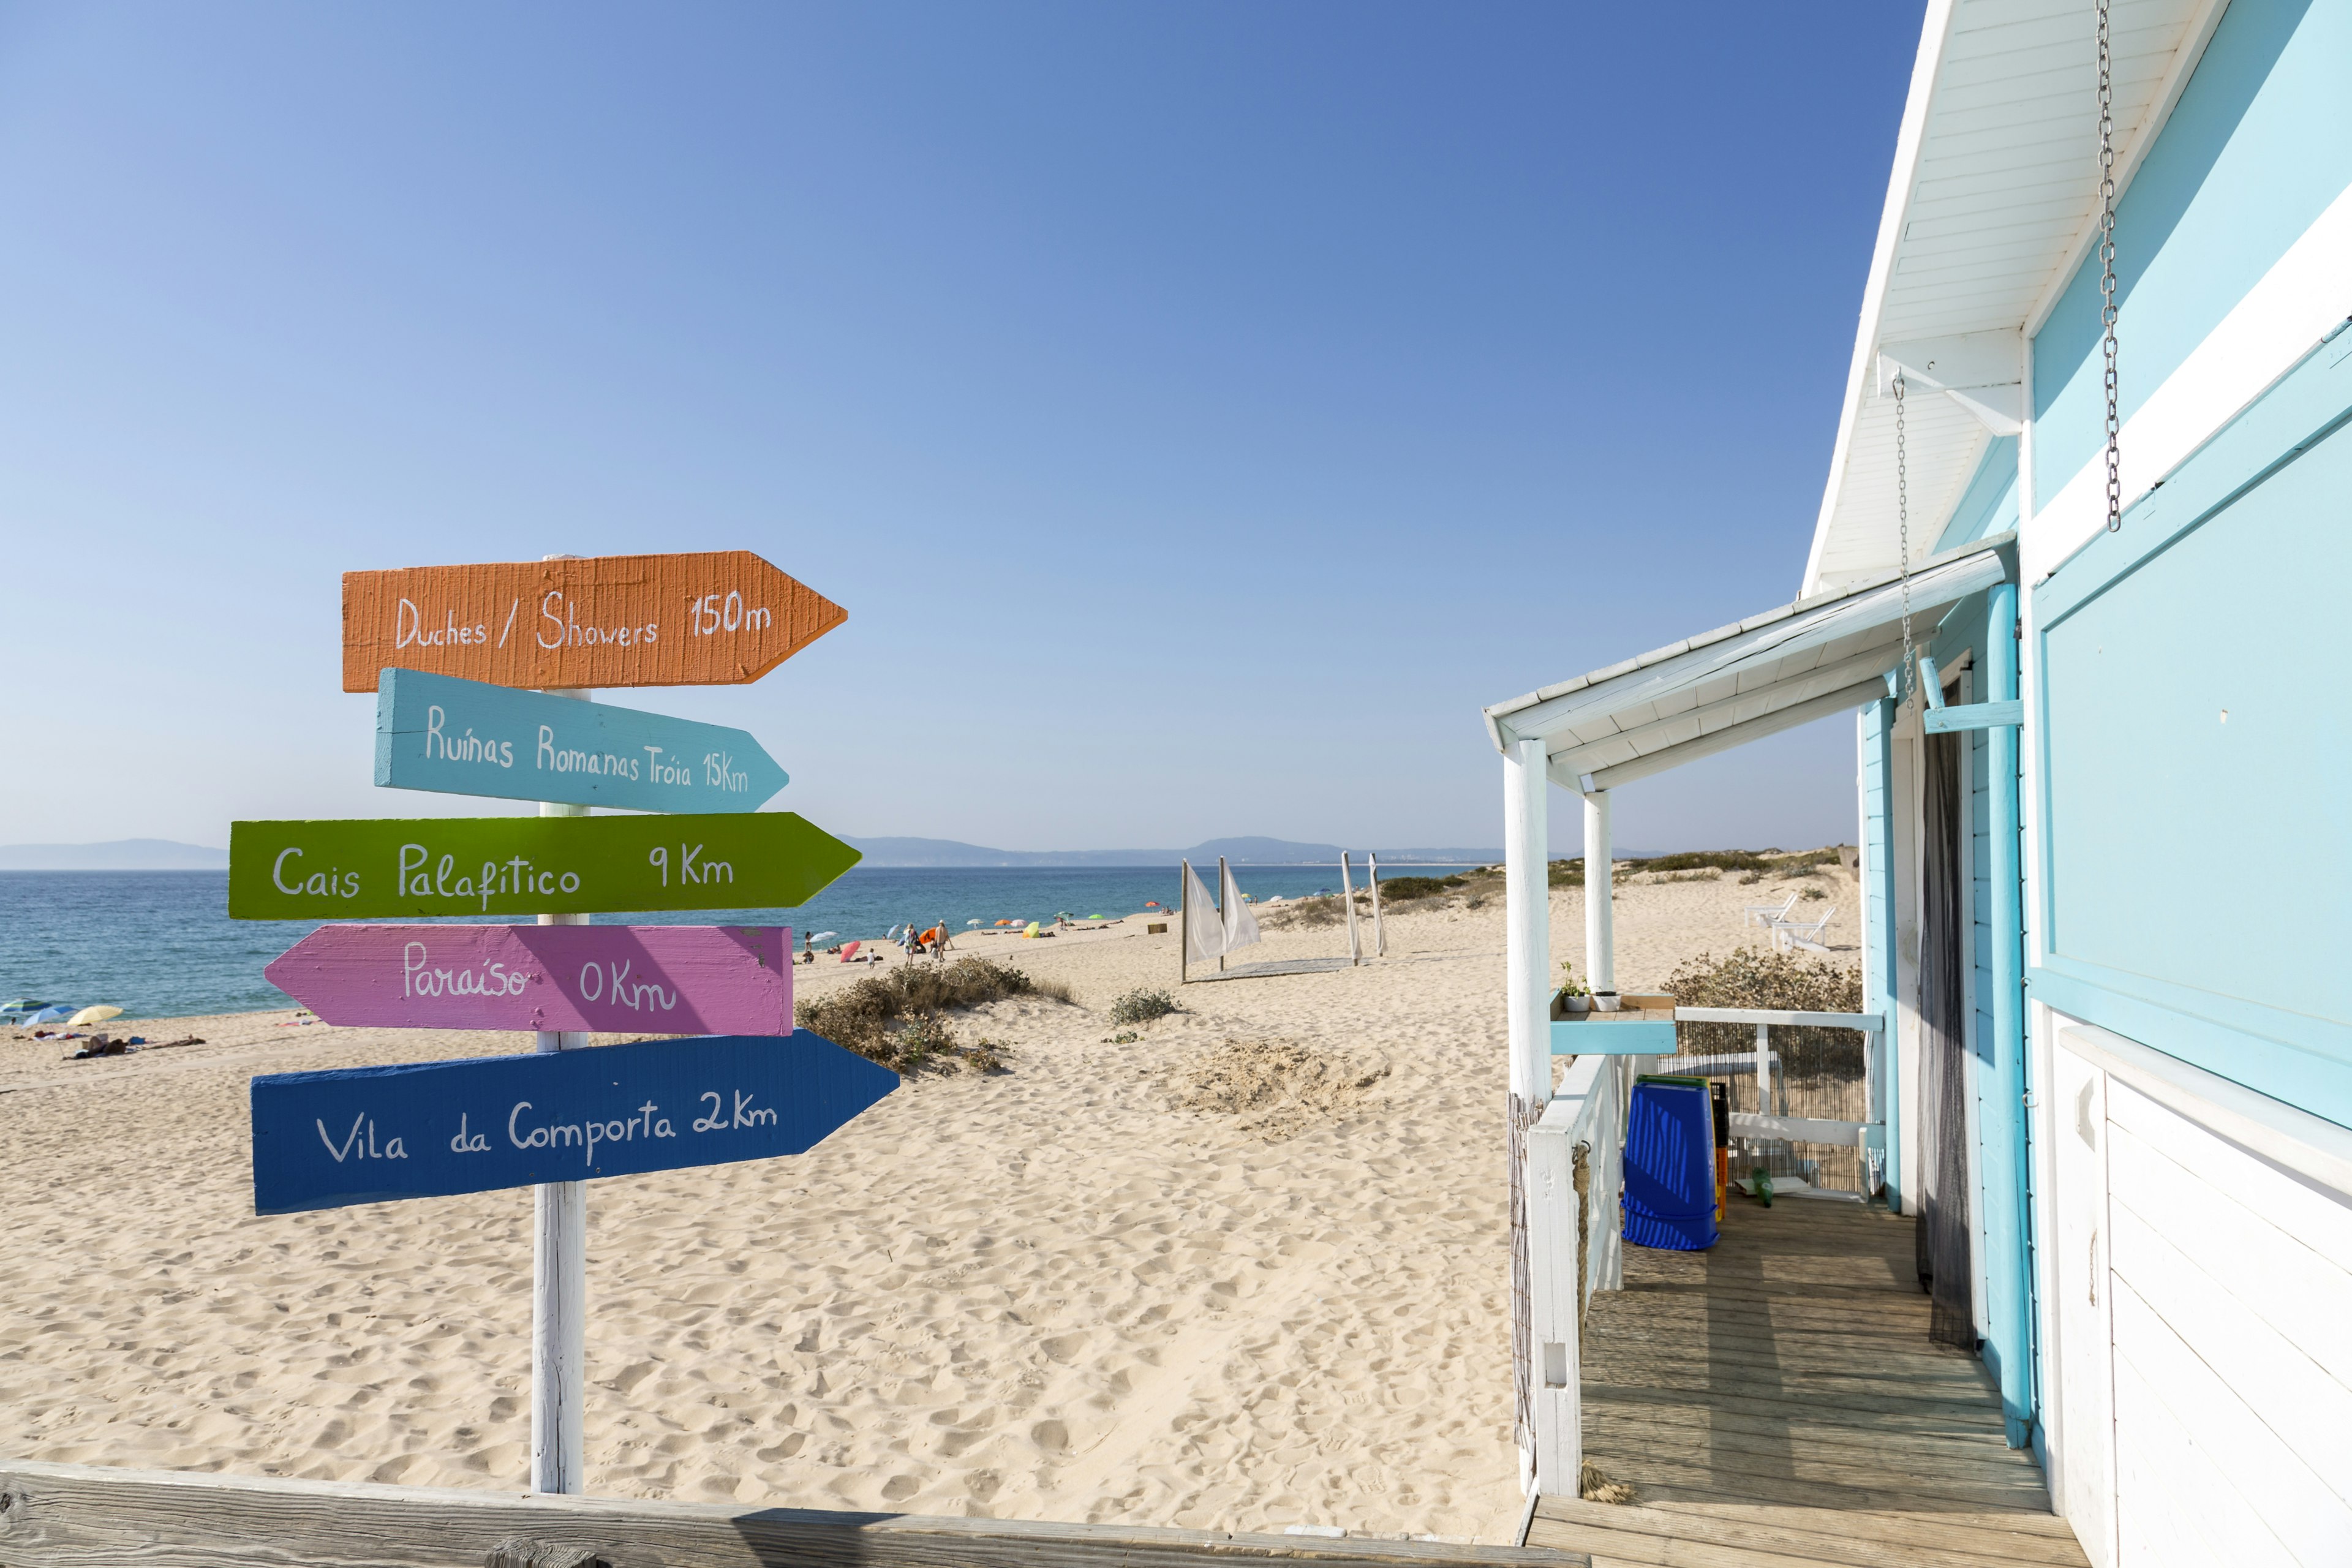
x=1669 y=1198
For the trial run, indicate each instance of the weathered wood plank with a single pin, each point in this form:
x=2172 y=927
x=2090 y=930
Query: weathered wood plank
x=1654 y=1477
x=80 y=1516
x=1891 y=1453
x=2039 y=1524
x=1751 y=1454
x=1776 y=1403
x=1736 y=1393
x=1901 y=1541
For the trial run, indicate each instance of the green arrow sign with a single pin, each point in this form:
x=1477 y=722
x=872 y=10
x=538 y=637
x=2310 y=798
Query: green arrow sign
x=524 y=865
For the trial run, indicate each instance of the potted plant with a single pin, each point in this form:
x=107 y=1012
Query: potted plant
x=1573 y=997
x=1605 y=1001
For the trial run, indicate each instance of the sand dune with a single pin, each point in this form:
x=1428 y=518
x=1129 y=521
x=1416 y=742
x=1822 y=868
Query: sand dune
x=1057 y=1293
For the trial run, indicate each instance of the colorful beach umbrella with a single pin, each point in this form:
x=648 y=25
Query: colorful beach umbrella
x=98 y=1015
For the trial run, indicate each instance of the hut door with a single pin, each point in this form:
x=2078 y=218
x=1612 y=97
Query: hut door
x=1947 y=1266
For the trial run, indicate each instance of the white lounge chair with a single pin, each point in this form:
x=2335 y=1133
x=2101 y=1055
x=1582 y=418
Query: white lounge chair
x=1765 y=914
x=1806 y=934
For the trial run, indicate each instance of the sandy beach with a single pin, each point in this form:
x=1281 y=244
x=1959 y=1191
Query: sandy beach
x=1248 y=1270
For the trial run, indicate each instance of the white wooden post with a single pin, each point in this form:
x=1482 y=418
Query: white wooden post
x=1527 y=915
x=1599 y=883
x=1224 y=916
x=1526 y=918
x=1763 y=1069
x=1183 y=920
x=1347 y=897
x=559 y=1307
x=1554 y=1303
x=1372 y=879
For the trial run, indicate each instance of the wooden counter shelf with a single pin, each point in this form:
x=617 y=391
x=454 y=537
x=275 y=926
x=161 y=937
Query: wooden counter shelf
x=1644 y=1026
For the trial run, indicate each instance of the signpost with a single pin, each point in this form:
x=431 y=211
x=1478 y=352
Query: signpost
x=671 y=980
x=464 y=737
x=357 y=1135
x=367 y=869
x=572 y=622
x=445 y=648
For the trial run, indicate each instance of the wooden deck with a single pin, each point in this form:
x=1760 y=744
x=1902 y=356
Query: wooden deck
x=1776 y=1402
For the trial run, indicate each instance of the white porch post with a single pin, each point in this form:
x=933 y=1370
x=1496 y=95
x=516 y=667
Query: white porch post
x=1599 y=917
x=1527 y=908
x=1527 y=905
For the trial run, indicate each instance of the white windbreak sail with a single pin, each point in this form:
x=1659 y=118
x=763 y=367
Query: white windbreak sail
x=1205 y=934
x=1241 y=922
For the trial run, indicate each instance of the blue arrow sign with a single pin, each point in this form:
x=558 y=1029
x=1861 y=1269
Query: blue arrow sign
x=361 y=1135
x=467 y=737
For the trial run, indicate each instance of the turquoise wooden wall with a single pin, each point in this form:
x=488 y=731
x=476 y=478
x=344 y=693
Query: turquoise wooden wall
x=2195 y=845
x=2259 y=145
x=1989 y=503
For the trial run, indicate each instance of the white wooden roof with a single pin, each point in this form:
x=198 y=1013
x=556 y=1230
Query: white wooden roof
x=1993 y=201
x=1740 y=683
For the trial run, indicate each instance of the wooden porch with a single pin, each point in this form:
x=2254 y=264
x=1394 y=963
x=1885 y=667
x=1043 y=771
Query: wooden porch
x=1776 y=1402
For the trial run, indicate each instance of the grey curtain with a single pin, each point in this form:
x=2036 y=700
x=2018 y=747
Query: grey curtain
x=1946 y=1267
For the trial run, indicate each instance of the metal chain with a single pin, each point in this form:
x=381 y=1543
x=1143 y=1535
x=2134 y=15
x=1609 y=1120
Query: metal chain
x=1902 y=525
x=2107 y=259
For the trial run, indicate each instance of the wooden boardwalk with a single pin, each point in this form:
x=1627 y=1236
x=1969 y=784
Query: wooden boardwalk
x=1776 y=1403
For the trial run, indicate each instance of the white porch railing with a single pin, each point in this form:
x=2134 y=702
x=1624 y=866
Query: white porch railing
x=1867 y=1134
x=1575 y=1176
x=1573 y=1246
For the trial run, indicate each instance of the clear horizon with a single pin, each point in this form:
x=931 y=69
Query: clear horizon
x=1201 y=412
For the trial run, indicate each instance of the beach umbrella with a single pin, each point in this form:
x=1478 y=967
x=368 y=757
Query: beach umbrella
x=969 y=924
x=825 y=936
x=98 y=1015
x=48 y=1014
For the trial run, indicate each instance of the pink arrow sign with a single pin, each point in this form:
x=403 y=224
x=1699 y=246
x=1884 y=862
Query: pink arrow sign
x=663 y=980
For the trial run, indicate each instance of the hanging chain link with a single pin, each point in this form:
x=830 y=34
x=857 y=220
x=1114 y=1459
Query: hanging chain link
x=2107 y=259
x=1903 y=527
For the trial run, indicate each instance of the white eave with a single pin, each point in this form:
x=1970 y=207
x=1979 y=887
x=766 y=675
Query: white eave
x=1740 y=683
x=1993 y=201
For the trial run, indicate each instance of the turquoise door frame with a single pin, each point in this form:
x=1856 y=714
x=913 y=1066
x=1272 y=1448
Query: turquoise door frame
x=2008 y=1219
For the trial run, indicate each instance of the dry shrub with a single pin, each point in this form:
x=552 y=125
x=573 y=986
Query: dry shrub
x=1276 y=1088
x=1306 y=914
x=1824 y=1061
x=1405 y=890
x=897 y=1018
x=1142 y=1008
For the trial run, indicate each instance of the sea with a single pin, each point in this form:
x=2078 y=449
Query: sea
x=160 y=944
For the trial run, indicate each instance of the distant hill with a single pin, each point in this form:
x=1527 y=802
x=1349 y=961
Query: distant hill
x=119 y=855
x=949 y=852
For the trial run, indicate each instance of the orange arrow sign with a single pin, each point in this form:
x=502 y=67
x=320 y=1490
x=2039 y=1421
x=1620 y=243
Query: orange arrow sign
x=715 y=619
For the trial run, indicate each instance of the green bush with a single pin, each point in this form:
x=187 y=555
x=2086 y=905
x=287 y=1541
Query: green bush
x=1702 y=859
x=1400 y=889
x=1784 y=982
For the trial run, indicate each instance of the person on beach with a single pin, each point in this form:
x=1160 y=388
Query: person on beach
x=808 y=948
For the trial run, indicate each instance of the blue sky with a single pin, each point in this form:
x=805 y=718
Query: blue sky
x=1200 y=409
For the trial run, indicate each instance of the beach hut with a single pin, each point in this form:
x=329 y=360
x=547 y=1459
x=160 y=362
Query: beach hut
x=2071 y=576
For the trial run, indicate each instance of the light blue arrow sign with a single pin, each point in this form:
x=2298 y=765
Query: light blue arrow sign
x=363 y=1135
x=467 y=737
